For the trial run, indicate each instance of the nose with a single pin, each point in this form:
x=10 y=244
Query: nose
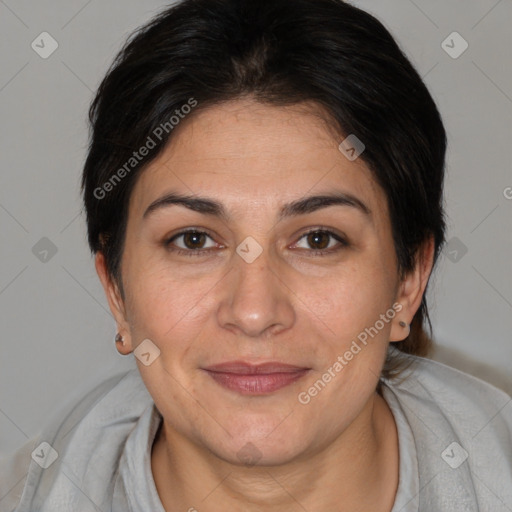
x=256 y=302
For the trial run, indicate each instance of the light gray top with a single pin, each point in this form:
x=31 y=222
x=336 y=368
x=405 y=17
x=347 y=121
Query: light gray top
x=455 y=444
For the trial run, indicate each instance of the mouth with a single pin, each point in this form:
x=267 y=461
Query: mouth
x=249 y=379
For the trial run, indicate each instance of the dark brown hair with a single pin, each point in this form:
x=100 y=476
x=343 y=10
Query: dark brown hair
x=279 y=52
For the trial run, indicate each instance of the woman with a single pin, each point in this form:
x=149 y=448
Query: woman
x=263 y=191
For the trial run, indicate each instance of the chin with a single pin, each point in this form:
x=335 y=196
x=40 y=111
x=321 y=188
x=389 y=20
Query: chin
x=260 y=454
x=265 y=443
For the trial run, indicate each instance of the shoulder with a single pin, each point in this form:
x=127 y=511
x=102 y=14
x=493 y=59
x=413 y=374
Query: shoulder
x=461 y=428
x=462 y=398
x=101 y=417
x=13 y=474
x=444 y=384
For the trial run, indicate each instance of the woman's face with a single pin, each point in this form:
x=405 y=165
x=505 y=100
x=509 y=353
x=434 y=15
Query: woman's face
x=268 y=275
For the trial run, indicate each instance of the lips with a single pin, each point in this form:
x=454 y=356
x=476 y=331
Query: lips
x=251 y=379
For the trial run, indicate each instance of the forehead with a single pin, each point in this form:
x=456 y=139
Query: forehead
x=244 y=153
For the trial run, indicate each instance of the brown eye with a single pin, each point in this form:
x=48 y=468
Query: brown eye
x=191 y=242
x=319 y=241
x=194 y=240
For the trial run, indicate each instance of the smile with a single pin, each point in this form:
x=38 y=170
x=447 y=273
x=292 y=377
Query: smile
x=248 y=379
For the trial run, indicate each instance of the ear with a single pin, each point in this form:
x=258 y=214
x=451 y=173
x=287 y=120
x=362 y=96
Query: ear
x=115 y=303
x=411 y=290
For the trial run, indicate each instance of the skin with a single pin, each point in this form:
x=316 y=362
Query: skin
x=339 y=451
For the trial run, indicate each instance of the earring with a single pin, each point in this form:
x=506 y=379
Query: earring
x=119 y=338
x=405 y=324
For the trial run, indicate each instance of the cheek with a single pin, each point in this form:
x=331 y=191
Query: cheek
x=165 y=306
x=353 y=349
x=349 y=299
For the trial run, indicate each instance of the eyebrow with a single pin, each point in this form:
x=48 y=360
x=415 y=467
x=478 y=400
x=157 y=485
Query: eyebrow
x=208 y=206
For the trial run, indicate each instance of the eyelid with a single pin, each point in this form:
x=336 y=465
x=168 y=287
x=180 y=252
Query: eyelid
x=340 y=238
x=169 y=239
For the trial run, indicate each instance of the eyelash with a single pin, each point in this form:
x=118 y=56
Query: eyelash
x=199 y=252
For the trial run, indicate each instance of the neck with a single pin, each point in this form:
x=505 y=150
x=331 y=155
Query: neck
x=358 y=471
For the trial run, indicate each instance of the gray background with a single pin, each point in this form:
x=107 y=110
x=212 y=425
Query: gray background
x=57 y=331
